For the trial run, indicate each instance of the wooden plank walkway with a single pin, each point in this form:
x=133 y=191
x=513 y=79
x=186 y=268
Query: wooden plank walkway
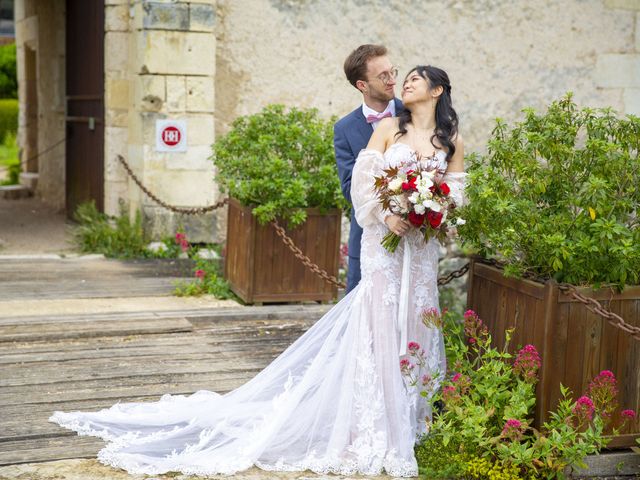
x=81 y=277
x=92 y=362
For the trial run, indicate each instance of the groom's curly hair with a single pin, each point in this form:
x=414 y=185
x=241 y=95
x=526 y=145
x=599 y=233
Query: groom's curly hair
x=355 y=66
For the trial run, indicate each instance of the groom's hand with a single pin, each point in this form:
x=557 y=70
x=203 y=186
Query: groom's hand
x=397 y=225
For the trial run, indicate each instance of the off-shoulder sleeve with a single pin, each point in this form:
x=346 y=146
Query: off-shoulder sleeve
x=365 y=202
x=457 y=182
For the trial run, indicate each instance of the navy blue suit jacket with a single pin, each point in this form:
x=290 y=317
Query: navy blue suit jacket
x=350 y=135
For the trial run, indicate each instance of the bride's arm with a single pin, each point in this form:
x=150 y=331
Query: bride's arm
x=455 y=175
x=368 y=165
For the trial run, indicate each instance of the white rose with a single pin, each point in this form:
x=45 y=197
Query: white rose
x=419 y=209
x=395 y=184
x=432 y=205
x=414 y=197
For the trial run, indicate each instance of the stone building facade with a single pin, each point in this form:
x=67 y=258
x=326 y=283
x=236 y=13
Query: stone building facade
x=208 y=61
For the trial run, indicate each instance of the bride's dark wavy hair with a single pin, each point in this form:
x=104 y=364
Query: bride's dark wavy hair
x=446 y=117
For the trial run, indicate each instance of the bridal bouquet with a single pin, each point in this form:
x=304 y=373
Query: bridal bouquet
x=420 y=196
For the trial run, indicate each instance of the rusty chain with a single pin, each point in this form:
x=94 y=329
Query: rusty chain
x=596 y=307
x=590 y=303
x=306 y=261
x=185 y=211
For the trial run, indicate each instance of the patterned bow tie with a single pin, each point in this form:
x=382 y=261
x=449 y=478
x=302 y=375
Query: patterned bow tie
x=378 y=116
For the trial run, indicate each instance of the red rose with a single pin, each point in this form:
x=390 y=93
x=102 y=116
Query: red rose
x=416 y=219
x=410 y=184
x=435 y=218
x=444 y=188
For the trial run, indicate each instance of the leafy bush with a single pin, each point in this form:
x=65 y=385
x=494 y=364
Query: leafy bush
x=484 y=429
x=112 y=236
x=557 y=196
x=8 y=77
x=9 y=158
x=8 y=118
x=208 y=280
x=279 y=162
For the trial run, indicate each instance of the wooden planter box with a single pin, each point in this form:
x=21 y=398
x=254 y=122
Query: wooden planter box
x=262 y=269
x=575 y=344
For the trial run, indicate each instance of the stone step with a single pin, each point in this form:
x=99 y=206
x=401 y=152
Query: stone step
x=14 y=192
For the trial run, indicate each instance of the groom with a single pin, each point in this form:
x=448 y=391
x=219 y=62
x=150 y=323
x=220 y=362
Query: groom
x=369 y=70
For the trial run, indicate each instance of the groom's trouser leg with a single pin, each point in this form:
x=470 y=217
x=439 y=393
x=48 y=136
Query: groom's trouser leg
x=353 y=273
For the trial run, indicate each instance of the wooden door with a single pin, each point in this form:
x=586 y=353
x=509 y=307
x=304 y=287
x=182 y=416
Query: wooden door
x=85 y=103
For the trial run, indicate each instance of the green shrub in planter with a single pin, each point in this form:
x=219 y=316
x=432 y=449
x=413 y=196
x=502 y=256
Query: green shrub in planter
x=557 y=196
x=279 y=161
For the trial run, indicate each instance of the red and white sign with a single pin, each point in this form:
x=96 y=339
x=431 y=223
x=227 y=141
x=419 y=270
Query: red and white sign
x=171 y=136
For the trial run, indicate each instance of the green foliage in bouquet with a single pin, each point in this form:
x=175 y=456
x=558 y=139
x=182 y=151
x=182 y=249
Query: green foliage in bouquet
x=557 y=196
x=482 y=425
x=279 y=162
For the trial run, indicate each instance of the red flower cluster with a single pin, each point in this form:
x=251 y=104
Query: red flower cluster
x=603 y=390
x=181 y=239
x=528 y=363
x=584 y=409
x=513 y=430
x=200 y=274
x=474 y=328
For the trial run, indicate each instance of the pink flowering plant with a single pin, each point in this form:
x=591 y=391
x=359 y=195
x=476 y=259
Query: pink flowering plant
x=482 y=425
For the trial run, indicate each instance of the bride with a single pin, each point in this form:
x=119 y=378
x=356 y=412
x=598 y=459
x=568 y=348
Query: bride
x=336 y=400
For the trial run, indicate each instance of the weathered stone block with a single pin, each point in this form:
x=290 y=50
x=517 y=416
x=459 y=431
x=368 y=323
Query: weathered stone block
x=116 y=52
x=624 y=4
x=177 y=53
x=159 y=223
x=201 y=130
x=200 y=94
x=114 y=194
x=618 y=70
x=631 y=98
x=180 y=187
x=195 y=158
x=115 y=143
x=116 y=93
x=173 y=16
x=176 y=93
x=202 y=17
x=116 y=18
x=150 y=92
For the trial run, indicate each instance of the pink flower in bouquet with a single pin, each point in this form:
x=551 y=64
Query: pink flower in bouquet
x=426 y=379
x=513 y=430
x=200 y=274
x=584 y=409
x=413 y=347
x=528 y=363
x=603 y=390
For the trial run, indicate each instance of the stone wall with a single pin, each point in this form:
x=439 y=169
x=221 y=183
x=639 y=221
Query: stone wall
x=40 y=28
x=160 y=64
x=501 y=55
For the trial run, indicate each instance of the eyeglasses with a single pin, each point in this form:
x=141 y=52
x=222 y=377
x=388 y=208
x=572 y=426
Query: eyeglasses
x=386 y=77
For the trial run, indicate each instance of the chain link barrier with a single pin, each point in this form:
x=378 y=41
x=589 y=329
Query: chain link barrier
x=184 y=211
x=590 y=303
x=280 y=231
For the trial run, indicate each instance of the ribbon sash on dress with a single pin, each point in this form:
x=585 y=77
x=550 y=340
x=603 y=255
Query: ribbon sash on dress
x=403 y=305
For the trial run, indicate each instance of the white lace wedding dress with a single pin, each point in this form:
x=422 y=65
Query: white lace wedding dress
x=334 y=401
